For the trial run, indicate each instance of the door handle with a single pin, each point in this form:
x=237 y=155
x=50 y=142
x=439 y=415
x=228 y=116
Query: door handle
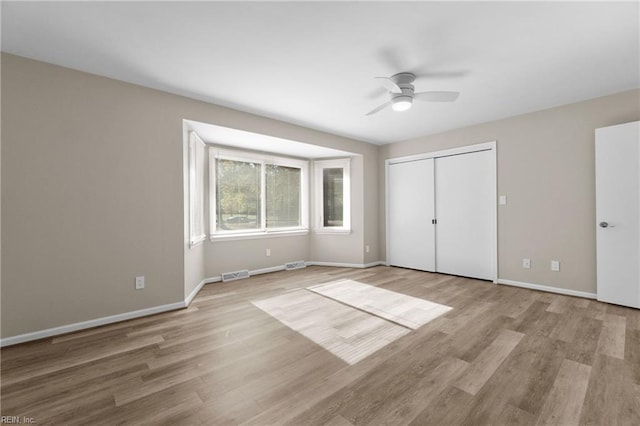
x=606 y=225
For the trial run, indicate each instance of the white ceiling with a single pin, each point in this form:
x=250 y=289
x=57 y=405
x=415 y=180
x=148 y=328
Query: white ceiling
x=313 y=63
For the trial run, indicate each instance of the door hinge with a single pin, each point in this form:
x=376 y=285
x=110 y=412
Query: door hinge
x=434 y=221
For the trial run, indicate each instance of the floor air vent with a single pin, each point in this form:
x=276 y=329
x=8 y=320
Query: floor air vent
x=295 y=265
x=230 y=276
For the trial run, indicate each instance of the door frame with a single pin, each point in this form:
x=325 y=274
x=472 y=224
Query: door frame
x=485 y=146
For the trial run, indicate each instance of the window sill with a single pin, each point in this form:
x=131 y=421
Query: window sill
x=332 y=231
x=197 y=241
x=258 y=235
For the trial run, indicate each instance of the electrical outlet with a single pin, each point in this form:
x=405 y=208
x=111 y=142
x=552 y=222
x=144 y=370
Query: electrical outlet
x=526 y=263
x=267 y=252
x=555 y=265
x=366 y=248
x=140 y=282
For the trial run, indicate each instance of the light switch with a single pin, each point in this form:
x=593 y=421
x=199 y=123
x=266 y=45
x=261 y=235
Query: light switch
x=502 y=200
x=555 y=265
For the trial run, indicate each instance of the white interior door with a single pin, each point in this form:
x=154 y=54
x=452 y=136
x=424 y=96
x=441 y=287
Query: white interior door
x=410 y=210
x=465 y=203
x=618 y=214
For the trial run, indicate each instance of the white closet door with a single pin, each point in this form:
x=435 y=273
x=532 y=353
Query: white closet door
x=410 y=210
x=465 y=196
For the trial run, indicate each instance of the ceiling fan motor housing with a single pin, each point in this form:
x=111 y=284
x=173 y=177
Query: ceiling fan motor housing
x=404 y=80
x=402 y=98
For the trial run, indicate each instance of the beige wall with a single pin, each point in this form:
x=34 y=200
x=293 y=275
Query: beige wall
x=228 y=256
x=546 y=169
x=93 y=195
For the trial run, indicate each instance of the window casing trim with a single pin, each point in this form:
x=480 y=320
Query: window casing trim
x=258 y=235
x=197 y=233
x=263 y=159
x=319 y=166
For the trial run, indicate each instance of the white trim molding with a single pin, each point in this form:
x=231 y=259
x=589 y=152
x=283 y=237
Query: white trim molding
x=194 y=292
x=264 y=159
x=548 y=289
x=347 y=265
x=64 y=329
x=319 y=167
x=197 y=151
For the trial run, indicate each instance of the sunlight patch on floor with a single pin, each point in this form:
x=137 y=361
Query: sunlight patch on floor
x=351 y=320
x=348 y=333
x=407 y=311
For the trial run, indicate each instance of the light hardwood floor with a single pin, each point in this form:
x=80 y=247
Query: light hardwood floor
x=501 y=356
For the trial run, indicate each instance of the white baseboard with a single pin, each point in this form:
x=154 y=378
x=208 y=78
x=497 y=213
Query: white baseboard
x=267 y=270
x=346 y=265
x=548 y=289
x=309 y=263
x=194 y=293
x=64 y=329
x=218 y=279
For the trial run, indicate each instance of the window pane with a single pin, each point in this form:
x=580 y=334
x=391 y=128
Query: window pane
x=332 y=185
x=283 y=196
x=237 y=195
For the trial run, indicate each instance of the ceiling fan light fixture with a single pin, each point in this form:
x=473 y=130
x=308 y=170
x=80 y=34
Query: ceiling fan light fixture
x=402 y=93
x=402 y=103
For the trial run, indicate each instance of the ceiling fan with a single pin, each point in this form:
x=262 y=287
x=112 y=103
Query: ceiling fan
x=402 y=93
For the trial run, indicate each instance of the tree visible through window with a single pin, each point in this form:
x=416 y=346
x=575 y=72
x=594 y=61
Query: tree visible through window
x=333 y=181
x=238 y=195
x=267 y=194
x=283 y=196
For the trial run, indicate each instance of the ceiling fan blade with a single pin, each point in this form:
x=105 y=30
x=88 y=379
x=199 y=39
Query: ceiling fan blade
x=381 y=107
x=377 y=93
x=389 y=84
x=390 y=57
x=436 y=96
x=427 y=73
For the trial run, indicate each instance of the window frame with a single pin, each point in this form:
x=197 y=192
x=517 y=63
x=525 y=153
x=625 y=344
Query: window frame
x=197 y=166
x=263 y=159
x=319 y=167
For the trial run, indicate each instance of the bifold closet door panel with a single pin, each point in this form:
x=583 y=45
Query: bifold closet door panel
x=464 y=197
x=410 y=209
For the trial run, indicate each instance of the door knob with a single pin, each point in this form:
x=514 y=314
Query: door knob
x=606 y=225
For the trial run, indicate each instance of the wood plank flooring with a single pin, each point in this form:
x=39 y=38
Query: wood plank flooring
x=501 y=356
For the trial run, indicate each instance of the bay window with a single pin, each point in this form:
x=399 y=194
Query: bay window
x=254 y=193
x=333 y=208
